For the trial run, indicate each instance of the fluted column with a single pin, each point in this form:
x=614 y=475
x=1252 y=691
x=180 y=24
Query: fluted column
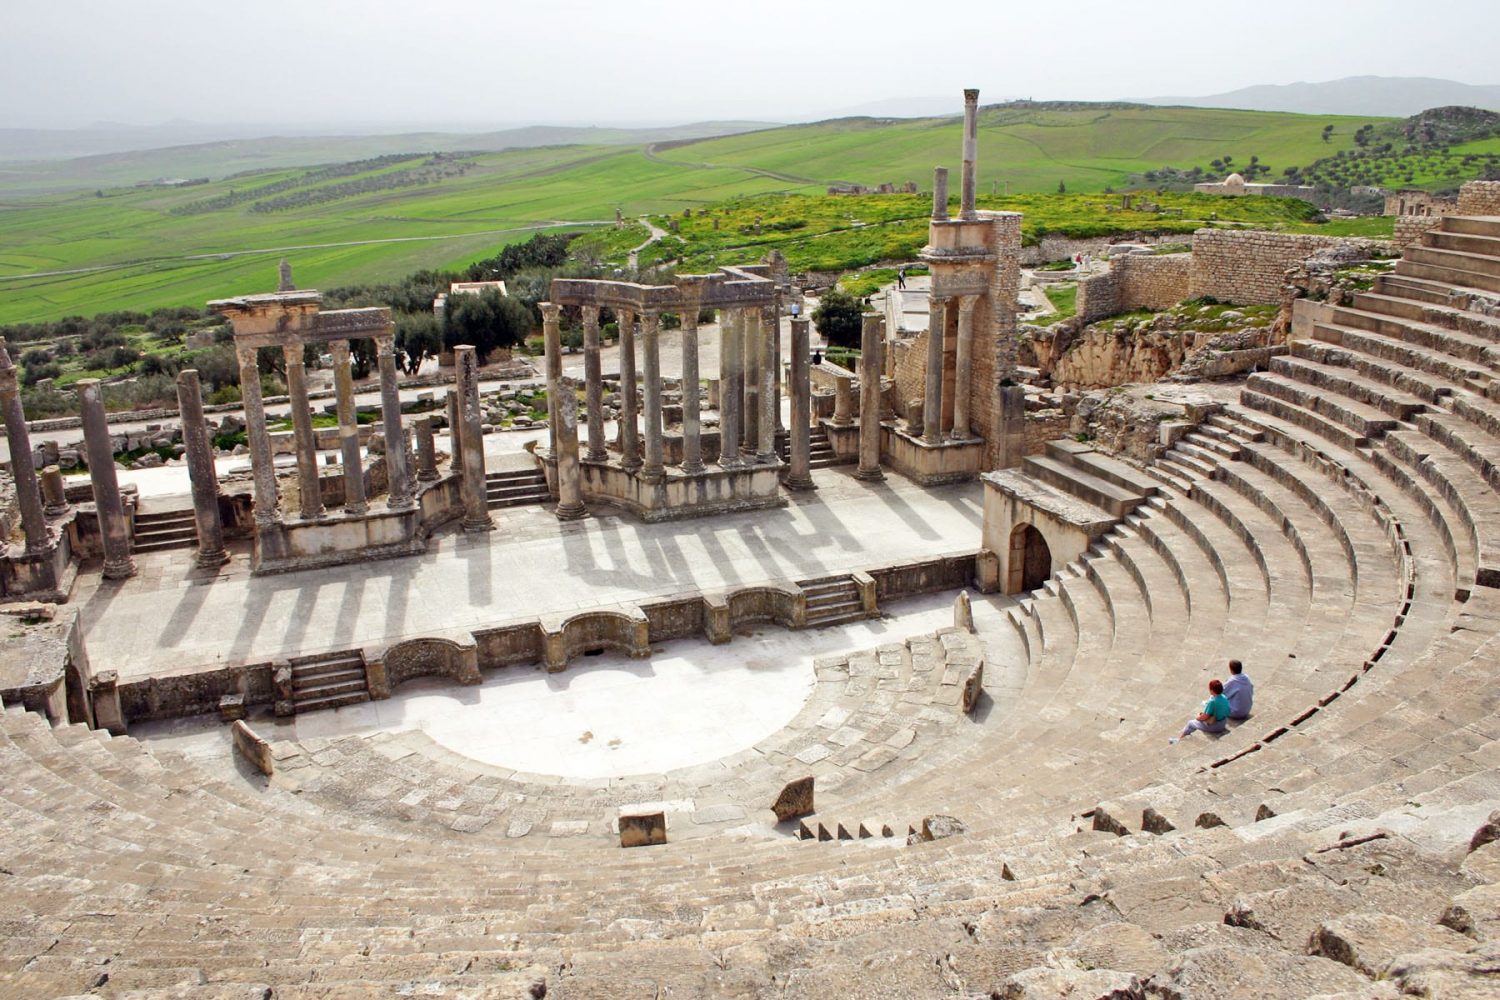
x=630 y=441
x=799 y=477
x=765 y=438
x=552 y=341
x=354 y=466
x=262 y=463
x=939 y=194
x=473 y=486
x=202 y=475
x=730 y=397
x=112 y=527
x=963 y=367
x=749 y=383
x=593 y=377
x=400 y=496
x=971 y=153
x=932 y=404
x=311 y=504
x=651 y=351
x=692 y=444
x=22 y=464
x=869 y=400
x=570 y=505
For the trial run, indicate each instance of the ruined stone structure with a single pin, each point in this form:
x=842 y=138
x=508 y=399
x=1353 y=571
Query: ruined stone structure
x=1249 y=267
x=1135 y=281
x=1235 y=186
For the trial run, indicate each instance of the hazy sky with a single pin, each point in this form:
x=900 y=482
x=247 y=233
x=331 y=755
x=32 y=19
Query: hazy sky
x=65 y=63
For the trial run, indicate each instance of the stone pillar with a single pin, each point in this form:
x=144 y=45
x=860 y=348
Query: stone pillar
x=843 y=401
x=749 y=383
x=569 y=493
x=354 y=466
x=971 y=153
x=262 y=464
x=400 y=496
x=455 y=425
x=729 y=388
x=630 y=441
x=765 y=436
x=552 y=340
x=54 y=492
x=426 y=450
x=869 y=400
x=692 y=444
x=651 y=357
x=473 y=485
x=311 y=503
x=776 y=365
x=939 y=194
x=112 y=527
x=593 y=377
x=1012 y=433
x=199 y=452
x=800 y=475
x=963 y=367
x=22 y=464
x=932 y=401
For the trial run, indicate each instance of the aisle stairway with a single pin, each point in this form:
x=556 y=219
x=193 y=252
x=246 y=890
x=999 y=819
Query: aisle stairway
x=516 y=488
x=156 y=531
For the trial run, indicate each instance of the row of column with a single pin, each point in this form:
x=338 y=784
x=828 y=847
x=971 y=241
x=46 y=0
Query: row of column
x=749 y=356
x=963 y=367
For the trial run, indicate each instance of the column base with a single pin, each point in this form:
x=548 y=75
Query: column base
x=571 y=512
x=312 y=513
x=55 y=511
x=800 y=483
x=272 y=520
x=767 y=458
x=402 y=503
x=875 y=475
x=356 y=510
x=696 y=469
x=426 y=476
x=121 y=569
x=476 y=526
x=653 y=476
x=207 y=559
x=600 y=456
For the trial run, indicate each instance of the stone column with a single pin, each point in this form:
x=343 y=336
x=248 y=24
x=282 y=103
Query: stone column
x=651 y=349
x=630 y=441
x=302 y=430
x=552 y=339
x=749 y=383
x=455 y=425
x=400 y=496
x=869 y=400
x=932 y=402
x=971 y=153
x=112 y=527
x=765 y=436
x=570 y=505
x=692 y=444
x=800 y=475
x=426 y=450
x=776 y=364
x=963 y=367
x=474 y=486
x=939 y=194
x=729 y=388
x=54 y=492
x=354 y=466
x=199 y=452
x=262 y=464
x=843 y=401
x=593 y=377
x=22 y=464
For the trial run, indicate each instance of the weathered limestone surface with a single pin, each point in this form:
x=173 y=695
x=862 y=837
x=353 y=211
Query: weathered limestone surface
x=118 y=563
x=201 y=471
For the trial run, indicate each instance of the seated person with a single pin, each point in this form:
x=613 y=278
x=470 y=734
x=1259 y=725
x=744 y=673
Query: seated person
x=1239 y=691
x=1213 y=718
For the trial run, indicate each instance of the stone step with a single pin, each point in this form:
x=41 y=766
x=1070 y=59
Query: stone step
x=1474 y=225
x=1473 y=347
x=1473 y=243
x=1426 y=387
x=1435 y=362
x=165 y=531
x=1466 y=261
x=1347 y=421
x=1429 y=264
x=1393 y=402
x=307 y=691
x=1084 y=485
x=162 y=517
x=1105 y=467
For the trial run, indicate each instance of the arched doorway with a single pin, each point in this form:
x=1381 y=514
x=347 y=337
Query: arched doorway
x=1030 y=560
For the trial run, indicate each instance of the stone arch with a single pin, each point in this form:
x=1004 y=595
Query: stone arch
x=431 y=657
x=1030 y=559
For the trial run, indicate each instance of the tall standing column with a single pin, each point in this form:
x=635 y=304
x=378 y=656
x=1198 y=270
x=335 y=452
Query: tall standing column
x=651 y=349
x=799 y=477
x=869 y=400
x=765 y=438
x=354 y=466
x=400 y=496
x=932 y=404
x=22 y=465
x=552 y=340
x=729 y=388
x=201 y=472
x=939 y=194
x=963 y=367
x=749 y=383
x=474 y=487
x=302 y=430
x=593 y=377
x=630 y=441
x=971 y=153
x=692 y=444
x=117 y=561
x=776 y=389
x=570 y=505
x=262 y=463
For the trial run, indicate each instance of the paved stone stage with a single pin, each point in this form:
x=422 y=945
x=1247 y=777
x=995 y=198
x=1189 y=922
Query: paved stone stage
x=168 y=618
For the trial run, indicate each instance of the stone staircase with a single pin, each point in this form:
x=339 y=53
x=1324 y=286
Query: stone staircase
x=329 y=680
x=832 y=600
x=157 y=531
x=516 y=488
x=820 y=453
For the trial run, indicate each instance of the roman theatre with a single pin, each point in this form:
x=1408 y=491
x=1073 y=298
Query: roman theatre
x=755 y=675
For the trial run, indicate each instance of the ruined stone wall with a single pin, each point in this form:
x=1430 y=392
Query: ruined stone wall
x=1418 y=203
x=1479 y=198
x=1249 y=267
x=1050 y=248
x=1136 y=281
x=909 y=369
x=1409 y=228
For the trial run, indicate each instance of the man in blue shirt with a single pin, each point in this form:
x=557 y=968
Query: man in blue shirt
x=1214 y=715
x=1239 y=691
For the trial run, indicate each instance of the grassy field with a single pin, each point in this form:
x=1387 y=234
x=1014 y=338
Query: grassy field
x=126 y=248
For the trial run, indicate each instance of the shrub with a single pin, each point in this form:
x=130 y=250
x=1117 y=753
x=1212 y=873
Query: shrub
x=838 y=318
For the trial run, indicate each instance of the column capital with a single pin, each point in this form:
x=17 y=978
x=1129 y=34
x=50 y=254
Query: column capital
x=550 y=311
x=650 y=321
x=340 y=351
x=293 y=354
x=245 y=355
x=385 y=344
x=966 y=303
x=590 y=317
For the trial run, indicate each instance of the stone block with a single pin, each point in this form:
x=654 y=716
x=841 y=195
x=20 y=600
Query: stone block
x=963 y=612
x=795 y=800
x=940 y=827
x=252 y=747
x=1154 y=822
x=643 y=830
x=973 y=688
x=1107 y=823
x=232 y=707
